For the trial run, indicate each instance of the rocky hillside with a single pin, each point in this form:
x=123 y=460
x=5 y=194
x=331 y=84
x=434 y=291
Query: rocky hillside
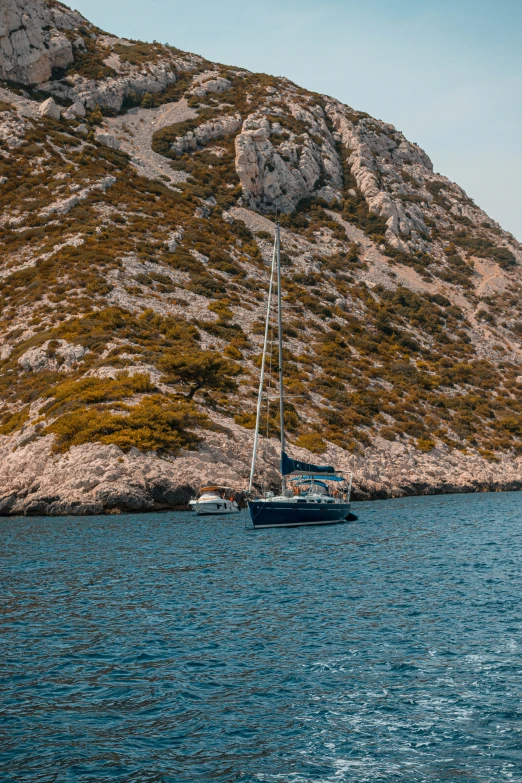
x=138 y=191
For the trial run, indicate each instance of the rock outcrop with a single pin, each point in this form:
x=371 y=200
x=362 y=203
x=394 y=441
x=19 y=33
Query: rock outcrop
x=49 y=109
x=203 y=134
x=111 y=92
x=39 y=38
x=212 y=85
x=34 y=39
x=73 y=112
x=60 y=356
x=377 y=148
x=108 y=140
x=283 y=175
x=89 y=480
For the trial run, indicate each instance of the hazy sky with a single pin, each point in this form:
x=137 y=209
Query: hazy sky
x=448 y=73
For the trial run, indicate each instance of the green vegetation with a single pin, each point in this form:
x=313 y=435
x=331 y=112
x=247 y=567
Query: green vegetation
x=140 y=53
x=483 y=248
x=88 y=61
x=10 y=422
x=154 y=424
x=199 y=370
x=88 y=391
x=311 y=441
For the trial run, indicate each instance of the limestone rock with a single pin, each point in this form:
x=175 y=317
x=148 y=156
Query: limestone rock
x=74 y=111
x=33 y=41
x=212 y=85
x=213 y=129
x=108 y=140
x=111 y=92
x=96 y=478
x=62 y=357
x=64 y=206
x=90 y=479
x=49 y=109
x=175 y=238
x=371 y=154
x=282 y=176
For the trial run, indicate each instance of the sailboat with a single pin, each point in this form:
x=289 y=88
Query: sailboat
x=307 y=496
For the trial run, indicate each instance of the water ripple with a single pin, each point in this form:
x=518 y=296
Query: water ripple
x=170 y=649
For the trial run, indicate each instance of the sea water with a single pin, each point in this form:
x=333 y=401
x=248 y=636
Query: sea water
x=173 y=648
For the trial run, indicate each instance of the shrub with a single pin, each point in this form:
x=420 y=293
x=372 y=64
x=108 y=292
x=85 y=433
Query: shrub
x=246 y=420
x=425 y=444
x=484 y=248
x=88 y=391
x=199 y=370
x=10 y=422
x=88 y=62
x=233 y=352
x=140 y=53
x=311 y=441
x=155 y=424
x=147 y=102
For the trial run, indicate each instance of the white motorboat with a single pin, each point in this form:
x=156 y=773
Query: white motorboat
x=214 y=500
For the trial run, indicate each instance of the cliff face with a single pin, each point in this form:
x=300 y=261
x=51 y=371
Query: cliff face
x=138 y=190
x=35 y=39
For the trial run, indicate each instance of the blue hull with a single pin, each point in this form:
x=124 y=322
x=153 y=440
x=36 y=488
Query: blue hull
x=296 y=514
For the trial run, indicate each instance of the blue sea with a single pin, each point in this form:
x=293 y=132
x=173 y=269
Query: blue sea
x=168 y=648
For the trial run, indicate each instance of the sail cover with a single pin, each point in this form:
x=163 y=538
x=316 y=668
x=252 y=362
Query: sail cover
x=289 y=466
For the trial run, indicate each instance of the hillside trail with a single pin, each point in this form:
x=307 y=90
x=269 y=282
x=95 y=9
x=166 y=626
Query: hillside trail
x=136 y=129
x=382 y=271
x=489 y=273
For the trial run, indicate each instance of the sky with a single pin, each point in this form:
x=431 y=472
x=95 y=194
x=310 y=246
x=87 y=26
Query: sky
x=447 y=73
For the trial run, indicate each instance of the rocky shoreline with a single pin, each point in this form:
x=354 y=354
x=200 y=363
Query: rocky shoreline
x=98 y=479
x=163 y=498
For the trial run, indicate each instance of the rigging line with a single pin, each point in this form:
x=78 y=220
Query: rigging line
x=269 y=389
x=280 y=353
x=263 y=361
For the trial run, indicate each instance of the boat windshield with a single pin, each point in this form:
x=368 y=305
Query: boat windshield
x=217 y=492
x=312 y=485
x=307 y=486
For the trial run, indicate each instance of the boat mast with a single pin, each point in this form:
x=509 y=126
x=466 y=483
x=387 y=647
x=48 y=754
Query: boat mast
x=280 y=336
x=263 y=364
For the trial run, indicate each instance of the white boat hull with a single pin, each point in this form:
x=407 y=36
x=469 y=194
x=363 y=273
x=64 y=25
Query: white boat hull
x=214 y=507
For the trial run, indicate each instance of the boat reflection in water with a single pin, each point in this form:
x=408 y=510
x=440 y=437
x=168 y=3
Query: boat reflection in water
x=310 y=494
